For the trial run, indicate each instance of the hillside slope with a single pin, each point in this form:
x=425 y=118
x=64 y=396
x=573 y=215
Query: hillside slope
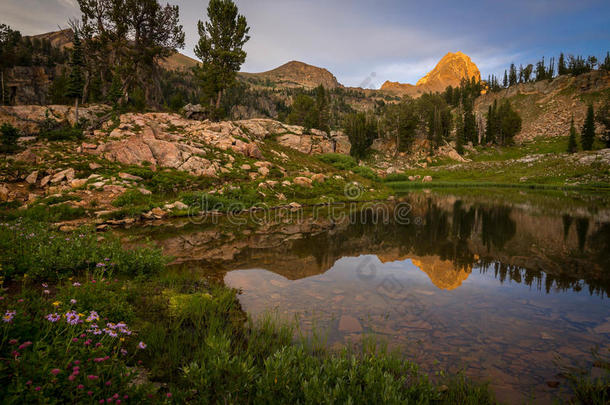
x=296 y=74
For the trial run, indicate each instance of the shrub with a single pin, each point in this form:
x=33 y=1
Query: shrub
x=130 y=197
x=341 y=162
x=365 y=172
x=8 y=142
x=52 y=130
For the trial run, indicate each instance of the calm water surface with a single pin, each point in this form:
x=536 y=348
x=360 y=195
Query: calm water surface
x=506 y=291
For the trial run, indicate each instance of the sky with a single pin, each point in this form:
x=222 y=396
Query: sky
x=369 y=42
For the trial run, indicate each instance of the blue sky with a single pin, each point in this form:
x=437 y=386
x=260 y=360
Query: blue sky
x=396 y=40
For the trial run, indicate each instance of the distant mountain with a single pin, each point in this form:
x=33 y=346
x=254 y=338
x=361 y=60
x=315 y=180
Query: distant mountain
x=449 y=71
x=296 y=74
x=63 y=39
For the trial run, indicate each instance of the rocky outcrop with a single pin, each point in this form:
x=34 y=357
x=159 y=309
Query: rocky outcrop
x=449 y=71
x=28 y=118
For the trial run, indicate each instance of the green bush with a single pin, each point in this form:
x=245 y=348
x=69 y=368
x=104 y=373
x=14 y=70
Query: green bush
x=52 y=130
x=130 y=197
x=365 y=172
x=44 y=213
x=339 y=161
x=8 y=141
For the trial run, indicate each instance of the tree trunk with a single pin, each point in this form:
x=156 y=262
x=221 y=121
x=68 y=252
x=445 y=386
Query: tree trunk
x=76 y=111
x=2 y=74
x=218 y=99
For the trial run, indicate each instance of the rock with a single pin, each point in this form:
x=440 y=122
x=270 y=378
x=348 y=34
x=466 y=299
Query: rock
x=302 y=181
x=427 y=179
x=88 y=146
x=349 y=324
x=294 y=206
x=67 y=174
x=98 y=184
x=94 y=166
x=27 y=156
x=158 y=213
x=144 y=191
x=280 y=196
x=263 y=164
x=245 y=167
x=32 y=178
x=127 y=176
x=411 y=178
x=113 y=189
x=45 y=180
x=3 y=193
x=264 y=171
x=318 y=178
x=286 y=183
x=178 y=205
x=76 y=183
x=523 y=179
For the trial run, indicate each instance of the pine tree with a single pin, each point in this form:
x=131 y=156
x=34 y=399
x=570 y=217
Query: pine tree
x=562 y=69
x=75 y=80
x=220 y=47
x=459 y=133
x=505 y=81
x=606 y=64
x=588 y=130
x=572 y=146
x=512 y=75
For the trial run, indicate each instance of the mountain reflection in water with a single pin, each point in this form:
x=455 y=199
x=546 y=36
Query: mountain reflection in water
x=498 y=289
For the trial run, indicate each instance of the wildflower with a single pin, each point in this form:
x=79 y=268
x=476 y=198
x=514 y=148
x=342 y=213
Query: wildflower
x=80 y=386
x=24 y=345
x=108 y=383
x=75 y=340
x=101 y=401
x=142 y=345
x=92 y=377
x=115 y=396
x=72 y=301
x=53 y=317
x=45 y=285
x=8 y=316
x=20 y=300
x=100 y=265
x=76 y=284
x=55 y=371
x=29 y=382
x=71 y=377
x=111 y=333
x=72 y=317
x=124 y=352
x=15 y=353
x=99 y=359
x=93 y=316
x=47 y=292
x=13 y=342
x=56 y=304
x=89 y=393
x=87 y=342
x=38 y=388
x=118 y=401
x=169 y=394
x=77 y=362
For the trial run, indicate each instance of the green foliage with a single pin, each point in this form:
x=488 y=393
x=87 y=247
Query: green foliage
x=400 y=121
x=603 y=117
x=8 y=138
x=366 y=172
x=64 y=361
x=32 y=248
x=503 y=123
x=572 y=145
x=220 y=48
x=588 y=130
x=338 y=160
x=76 y=82
x=53 y=130
x=303 y=112
x=131 y=197
x=361 y=132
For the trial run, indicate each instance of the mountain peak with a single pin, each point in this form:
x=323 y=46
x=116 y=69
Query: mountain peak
x=298 y=74
x=449 y=71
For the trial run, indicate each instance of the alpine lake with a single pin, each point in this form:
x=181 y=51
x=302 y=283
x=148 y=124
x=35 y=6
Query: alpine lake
x=507 y=286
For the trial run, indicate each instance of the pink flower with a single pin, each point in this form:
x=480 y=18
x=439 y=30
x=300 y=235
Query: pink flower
x=73 y=301
x=115 y=396
x=75 y=340
x=76 y=284
x=169 y=394
x=71 y=377
x=108 y=383
x=101 y=401
x=55 y=371
x=29 y=382
x=92 y=377
x=13 y=342
x=25 y=345
x=47 y=292
x=142 y=345
x=80 y=386
x=38 y=388
x=76 y=362
x=89 y=393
